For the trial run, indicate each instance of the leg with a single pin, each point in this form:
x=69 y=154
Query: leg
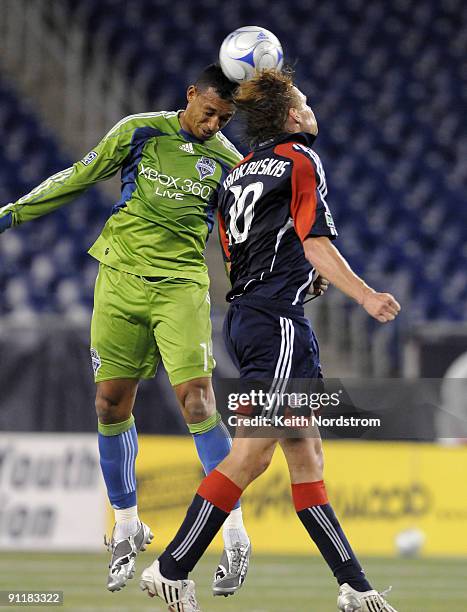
x=118 y=447
x=213 y=443
x=217 y=494
x=305 y=461
x=118 y=443
x=212 y=440
x=123 y=351
x=198 y=405
x=211 y=505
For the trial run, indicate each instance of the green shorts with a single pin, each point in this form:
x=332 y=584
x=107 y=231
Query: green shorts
x=137 y=322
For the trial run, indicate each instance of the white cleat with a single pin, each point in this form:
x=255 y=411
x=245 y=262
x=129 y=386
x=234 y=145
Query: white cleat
x=123 y=556
x=179 y=594
x=232 y=569
x=350 y=600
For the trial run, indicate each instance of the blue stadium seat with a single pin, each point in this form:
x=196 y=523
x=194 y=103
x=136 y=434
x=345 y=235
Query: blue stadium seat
x=37 y=259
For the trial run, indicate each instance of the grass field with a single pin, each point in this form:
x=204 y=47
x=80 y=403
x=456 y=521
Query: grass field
x=275 y=584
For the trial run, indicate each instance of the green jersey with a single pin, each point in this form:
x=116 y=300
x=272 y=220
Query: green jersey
x=168 y=195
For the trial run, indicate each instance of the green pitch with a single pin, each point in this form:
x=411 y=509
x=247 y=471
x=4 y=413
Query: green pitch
x=274 y=584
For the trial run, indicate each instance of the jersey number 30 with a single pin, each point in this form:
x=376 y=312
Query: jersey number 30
x=242 y=213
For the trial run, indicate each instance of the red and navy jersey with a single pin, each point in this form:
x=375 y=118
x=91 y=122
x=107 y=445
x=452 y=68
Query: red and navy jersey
x=271 y=202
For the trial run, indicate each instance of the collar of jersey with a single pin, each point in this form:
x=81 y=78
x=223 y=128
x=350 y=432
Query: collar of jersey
x=186 y=135
x=304 y=137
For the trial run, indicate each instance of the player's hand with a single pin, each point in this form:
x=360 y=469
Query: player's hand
x=381 y=306
x=5 y=222
x=319 y=286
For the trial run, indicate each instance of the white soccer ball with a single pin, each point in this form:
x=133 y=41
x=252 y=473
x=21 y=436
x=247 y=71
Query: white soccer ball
x=249 y=49
x=410 y=542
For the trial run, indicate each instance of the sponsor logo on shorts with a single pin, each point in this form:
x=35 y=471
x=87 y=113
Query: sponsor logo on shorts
x=90 y=157
x=95 y=360
x=205 y=166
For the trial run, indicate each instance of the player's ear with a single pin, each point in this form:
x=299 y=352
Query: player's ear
x=293 y=120
x=191 y=93
x=294 y=115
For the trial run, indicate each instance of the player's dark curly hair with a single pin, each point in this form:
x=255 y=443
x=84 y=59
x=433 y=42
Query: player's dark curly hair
x=263 y=103
x=212 y=76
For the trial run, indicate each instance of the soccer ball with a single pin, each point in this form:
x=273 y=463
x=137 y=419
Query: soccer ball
x=410 y=542
x=249 y=49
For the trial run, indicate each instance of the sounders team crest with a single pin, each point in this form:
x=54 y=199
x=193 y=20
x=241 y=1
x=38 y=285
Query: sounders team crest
x=206 y=167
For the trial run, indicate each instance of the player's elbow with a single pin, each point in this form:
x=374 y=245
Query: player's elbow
x=315 y=250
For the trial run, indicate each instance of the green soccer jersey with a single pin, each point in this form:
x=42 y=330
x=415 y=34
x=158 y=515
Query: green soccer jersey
x=168 y=195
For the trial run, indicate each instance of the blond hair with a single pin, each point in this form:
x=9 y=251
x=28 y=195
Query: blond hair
x=263 y=103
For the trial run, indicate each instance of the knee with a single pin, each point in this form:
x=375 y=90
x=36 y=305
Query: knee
x=320 y=462
x=112 y=408
x=305 y=459
x=106 y=408
x=197 y=401
x=318 y=456
x=257 y=465
x=262 y=464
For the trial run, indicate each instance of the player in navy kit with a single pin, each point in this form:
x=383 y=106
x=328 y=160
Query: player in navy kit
x=276 y=230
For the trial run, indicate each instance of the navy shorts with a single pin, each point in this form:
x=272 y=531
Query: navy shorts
x=272 y=344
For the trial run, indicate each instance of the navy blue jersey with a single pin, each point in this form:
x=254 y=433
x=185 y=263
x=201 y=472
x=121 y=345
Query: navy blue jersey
x=268 y=205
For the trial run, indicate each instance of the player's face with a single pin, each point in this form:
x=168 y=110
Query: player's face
x=304 y=116
x=206 y=113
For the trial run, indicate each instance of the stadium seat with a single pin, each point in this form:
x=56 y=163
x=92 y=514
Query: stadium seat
x=43 y=265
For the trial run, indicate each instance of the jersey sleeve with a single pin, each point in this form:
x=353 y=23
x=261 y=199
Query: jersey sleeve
x=227 y=151
x=308 y=207
x=99 y=164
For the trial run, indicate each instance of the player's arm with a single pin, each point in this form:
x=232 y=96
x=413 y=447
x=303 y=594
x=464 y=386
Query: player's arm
x=315 y=227
x=324 y=256
x=101 y=163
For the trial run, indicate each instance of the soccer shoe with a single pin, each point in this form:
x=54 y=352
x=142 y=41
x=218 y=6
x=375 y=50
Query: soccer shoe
x=179 y=594
x=350 y=600
x=232 y=569
x=122 y=561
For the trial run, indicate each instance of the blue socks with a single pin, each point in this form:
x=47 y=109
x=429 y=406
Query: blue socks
x=118 y=447
x=213 y=442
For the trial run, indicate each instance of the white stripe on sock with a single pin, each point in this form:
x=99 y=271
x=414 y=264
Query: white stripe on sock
x=194 y=536
x=332 y=528
x=342 y=552
x=131 y=465
x=126 y=484
x=200 y=520
x=129 y=461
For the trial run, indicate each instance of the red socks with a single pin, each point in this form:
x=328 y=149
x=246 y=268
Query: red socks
x=220 y=491
x=308 y=494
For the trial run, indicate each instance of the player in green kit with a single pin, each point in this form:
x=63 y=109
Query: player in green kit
x=152 y=293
